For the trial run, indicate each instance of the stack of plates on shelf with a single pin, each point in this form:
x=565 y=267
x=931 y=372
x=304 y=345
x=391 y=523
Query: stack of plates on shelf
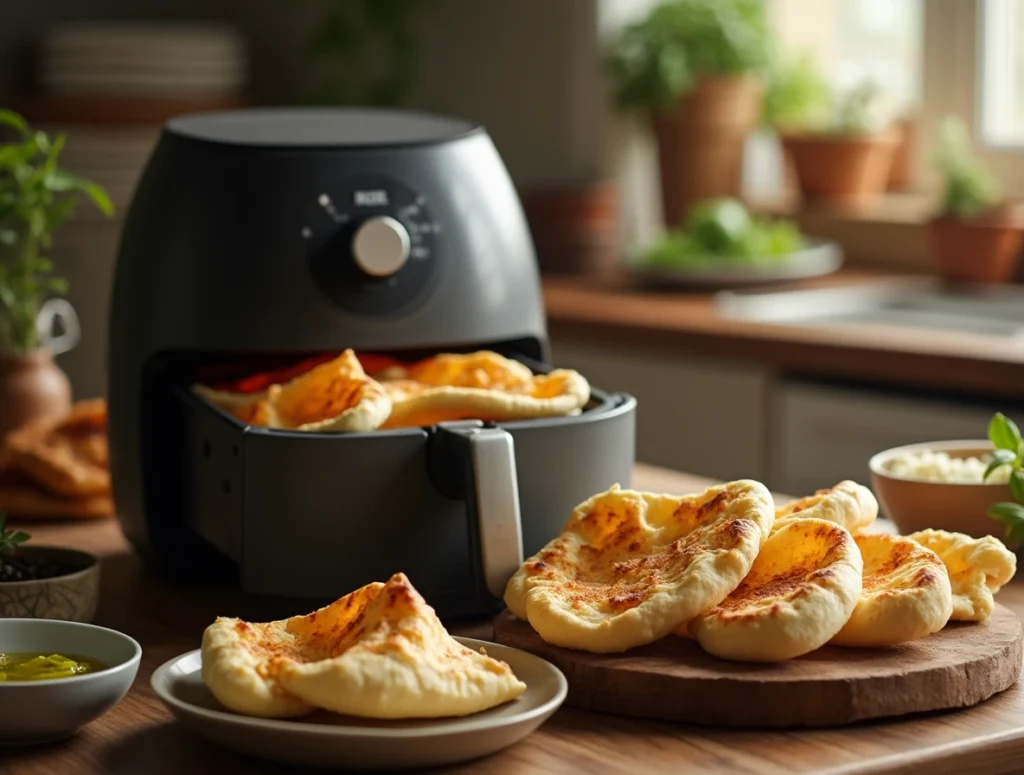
x=144 y=60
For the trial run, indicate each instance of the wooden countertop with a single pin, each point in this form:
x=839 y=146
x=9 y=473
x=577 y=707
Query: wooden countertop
x=609 y=310
x=139 y=736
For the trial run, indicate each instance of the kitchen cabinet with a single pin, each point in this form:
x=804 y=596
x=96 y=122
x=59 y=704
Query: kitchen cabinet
x=695 y=414
x=821 y=433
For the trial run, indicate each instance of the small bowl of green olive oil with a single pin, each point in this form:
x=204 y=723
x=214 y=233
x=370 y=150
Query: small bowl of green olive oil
x=57 y=676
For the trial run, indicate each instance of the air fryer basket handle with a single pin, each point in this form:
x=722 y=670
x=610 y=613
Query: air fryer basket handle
x=492 y=490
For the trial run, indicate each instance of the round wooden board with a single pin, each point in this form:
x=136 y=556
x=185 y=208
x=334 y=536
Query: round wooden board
x=675 y=680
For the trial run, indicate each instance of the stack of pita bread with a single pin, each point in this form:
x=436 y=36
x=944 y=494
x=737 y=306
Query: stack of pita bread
x=58 y=467
x=338 y=395
x=749 y=581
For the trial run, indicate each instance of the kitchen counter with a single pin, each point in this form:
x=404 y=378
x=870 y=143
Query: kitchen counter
x=608 y=311
x=139 y=735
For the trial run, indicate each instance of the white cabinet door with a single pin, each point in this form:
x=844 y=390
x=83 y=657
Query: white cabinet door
x=822 y=434
x=702 y=416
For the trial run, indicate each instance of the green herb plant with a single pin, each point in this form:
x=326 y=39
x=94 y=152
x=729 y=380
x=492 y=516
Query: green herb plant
x=969 y=187
x=363 y=53
x=10 y=539
x=657 y=60
x=1009 y=451
x=797 y=94
x=723 y=229
x=36 y=197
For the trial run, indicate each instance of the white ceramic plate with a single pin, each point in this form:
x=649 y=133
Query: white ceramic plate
x=820 y=258
x=325 y=739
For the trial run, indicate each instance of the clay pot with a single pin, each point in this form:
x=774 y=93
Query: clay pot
x=899 y=173
x=984 y=249
x=574 y=226
x=850 y=169
x=31 y=386
x=701 y=142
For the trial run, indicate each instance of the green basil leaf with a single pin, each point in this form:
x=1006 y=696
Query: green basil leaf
x=1007 y=513
x=1017 y=486
x=20 y=537
x=1004 y=433
x=1000 y=458
x=12 y=119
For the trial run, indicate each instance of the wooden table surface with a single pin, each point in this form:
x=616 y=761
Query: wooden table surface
x=609 y=309
x=139 y=737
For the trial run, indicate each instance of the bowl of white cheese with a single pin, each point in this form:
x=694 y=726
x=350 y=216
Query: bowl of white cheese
x=938 y=484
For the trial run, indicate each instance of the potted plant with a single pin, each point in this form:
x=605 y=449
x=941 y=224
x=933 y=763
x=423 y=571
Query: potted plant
x=693 y=66
x=976 y=235
x=36 y=197
x=839 y=143
x=42 y=582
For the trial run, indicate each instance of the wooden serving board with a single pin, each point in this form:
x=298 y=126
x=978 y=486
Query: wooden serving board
x=675 y=680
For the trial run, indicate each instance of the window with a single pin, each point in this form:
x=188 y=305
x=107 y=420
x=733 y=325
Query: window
x=1002 y=72
x=857 y=40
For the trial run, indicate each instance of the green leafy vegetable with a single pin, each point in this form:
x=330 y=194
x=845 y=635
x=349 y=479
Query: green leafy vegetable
x=1009 y=450
x=9 y=539
x=36 y=197
x=970 y=188
x=1011 y=515
x=657 y=60
x=723 y=229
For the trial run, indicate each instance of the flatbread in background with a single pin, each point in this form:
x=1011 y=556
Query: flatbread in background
x=66 y=456
x=333 y=396
x=977 y=567
x=848 y=504
x=906 y=594
x=22 y=498
x=478 y=386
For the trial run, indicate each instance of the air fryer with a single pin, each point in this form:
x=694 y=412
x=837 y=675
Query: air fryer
x=258 y=238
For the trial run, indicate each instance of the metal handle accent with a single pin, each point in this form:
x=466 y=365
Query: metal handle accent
x=496 y=490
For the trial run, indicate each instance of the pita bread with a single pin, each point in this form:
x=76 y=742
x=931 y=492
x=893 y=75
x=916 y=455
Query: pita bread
x=977 y=568
x=20 y=497
x=379 y=652
x=799 y=593
x=67 y=456
x=629 y=567
x=848 y=505
x=479 y=386
x=332 y=396
x=906 y=594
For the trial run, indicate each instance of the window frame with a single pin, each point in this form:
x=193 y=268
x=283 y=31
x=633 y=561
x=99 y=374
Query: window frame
x=953 y=77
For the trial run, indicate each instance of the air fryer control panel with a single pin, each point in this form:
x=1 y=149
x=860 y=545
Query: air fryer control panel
x=371 y=243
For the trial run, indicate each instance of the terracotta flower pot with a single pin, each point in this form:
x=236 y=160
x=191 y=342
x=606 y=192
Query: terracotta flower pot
x=574 y=226
x=841 y=168
x=31 y=386
x=985 y=249
x=701 y=142
x=899 y=173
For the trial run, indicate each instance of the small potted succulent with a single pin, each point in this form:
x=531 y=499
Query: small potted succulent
x=976 y=235
x=839 y=143
x=41 y=582
x=36 y=197
x=694 y=68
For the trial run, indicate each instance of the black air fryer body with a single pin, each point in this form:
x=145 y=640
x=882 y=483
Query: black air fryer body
x=238 y=248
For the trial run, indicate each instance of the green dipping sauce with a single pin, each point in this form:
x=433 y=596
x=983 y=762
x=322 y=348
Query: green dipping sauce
x=45 y=667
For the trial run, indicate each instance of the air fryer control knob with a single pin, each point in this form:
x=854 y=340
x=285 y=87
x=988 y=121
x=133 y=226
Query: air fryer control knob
x=381 y=246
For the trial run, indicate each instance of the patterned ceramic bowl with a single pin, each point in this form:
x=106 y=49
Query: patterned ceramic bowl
x=72 y=597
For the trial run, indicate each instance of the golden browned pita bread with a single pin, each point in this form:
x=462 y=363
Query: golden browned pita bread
x=479 y=386
x=20 y=497
x=378 y=652
x=333 y=396
x=67 y=456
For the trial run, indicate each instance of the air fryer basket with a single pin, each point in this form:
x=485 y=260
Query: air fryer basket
x=313 y=515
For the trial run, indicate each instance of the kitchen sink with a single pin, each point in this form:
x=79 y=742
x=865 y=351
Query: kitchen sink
x=914 y=303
